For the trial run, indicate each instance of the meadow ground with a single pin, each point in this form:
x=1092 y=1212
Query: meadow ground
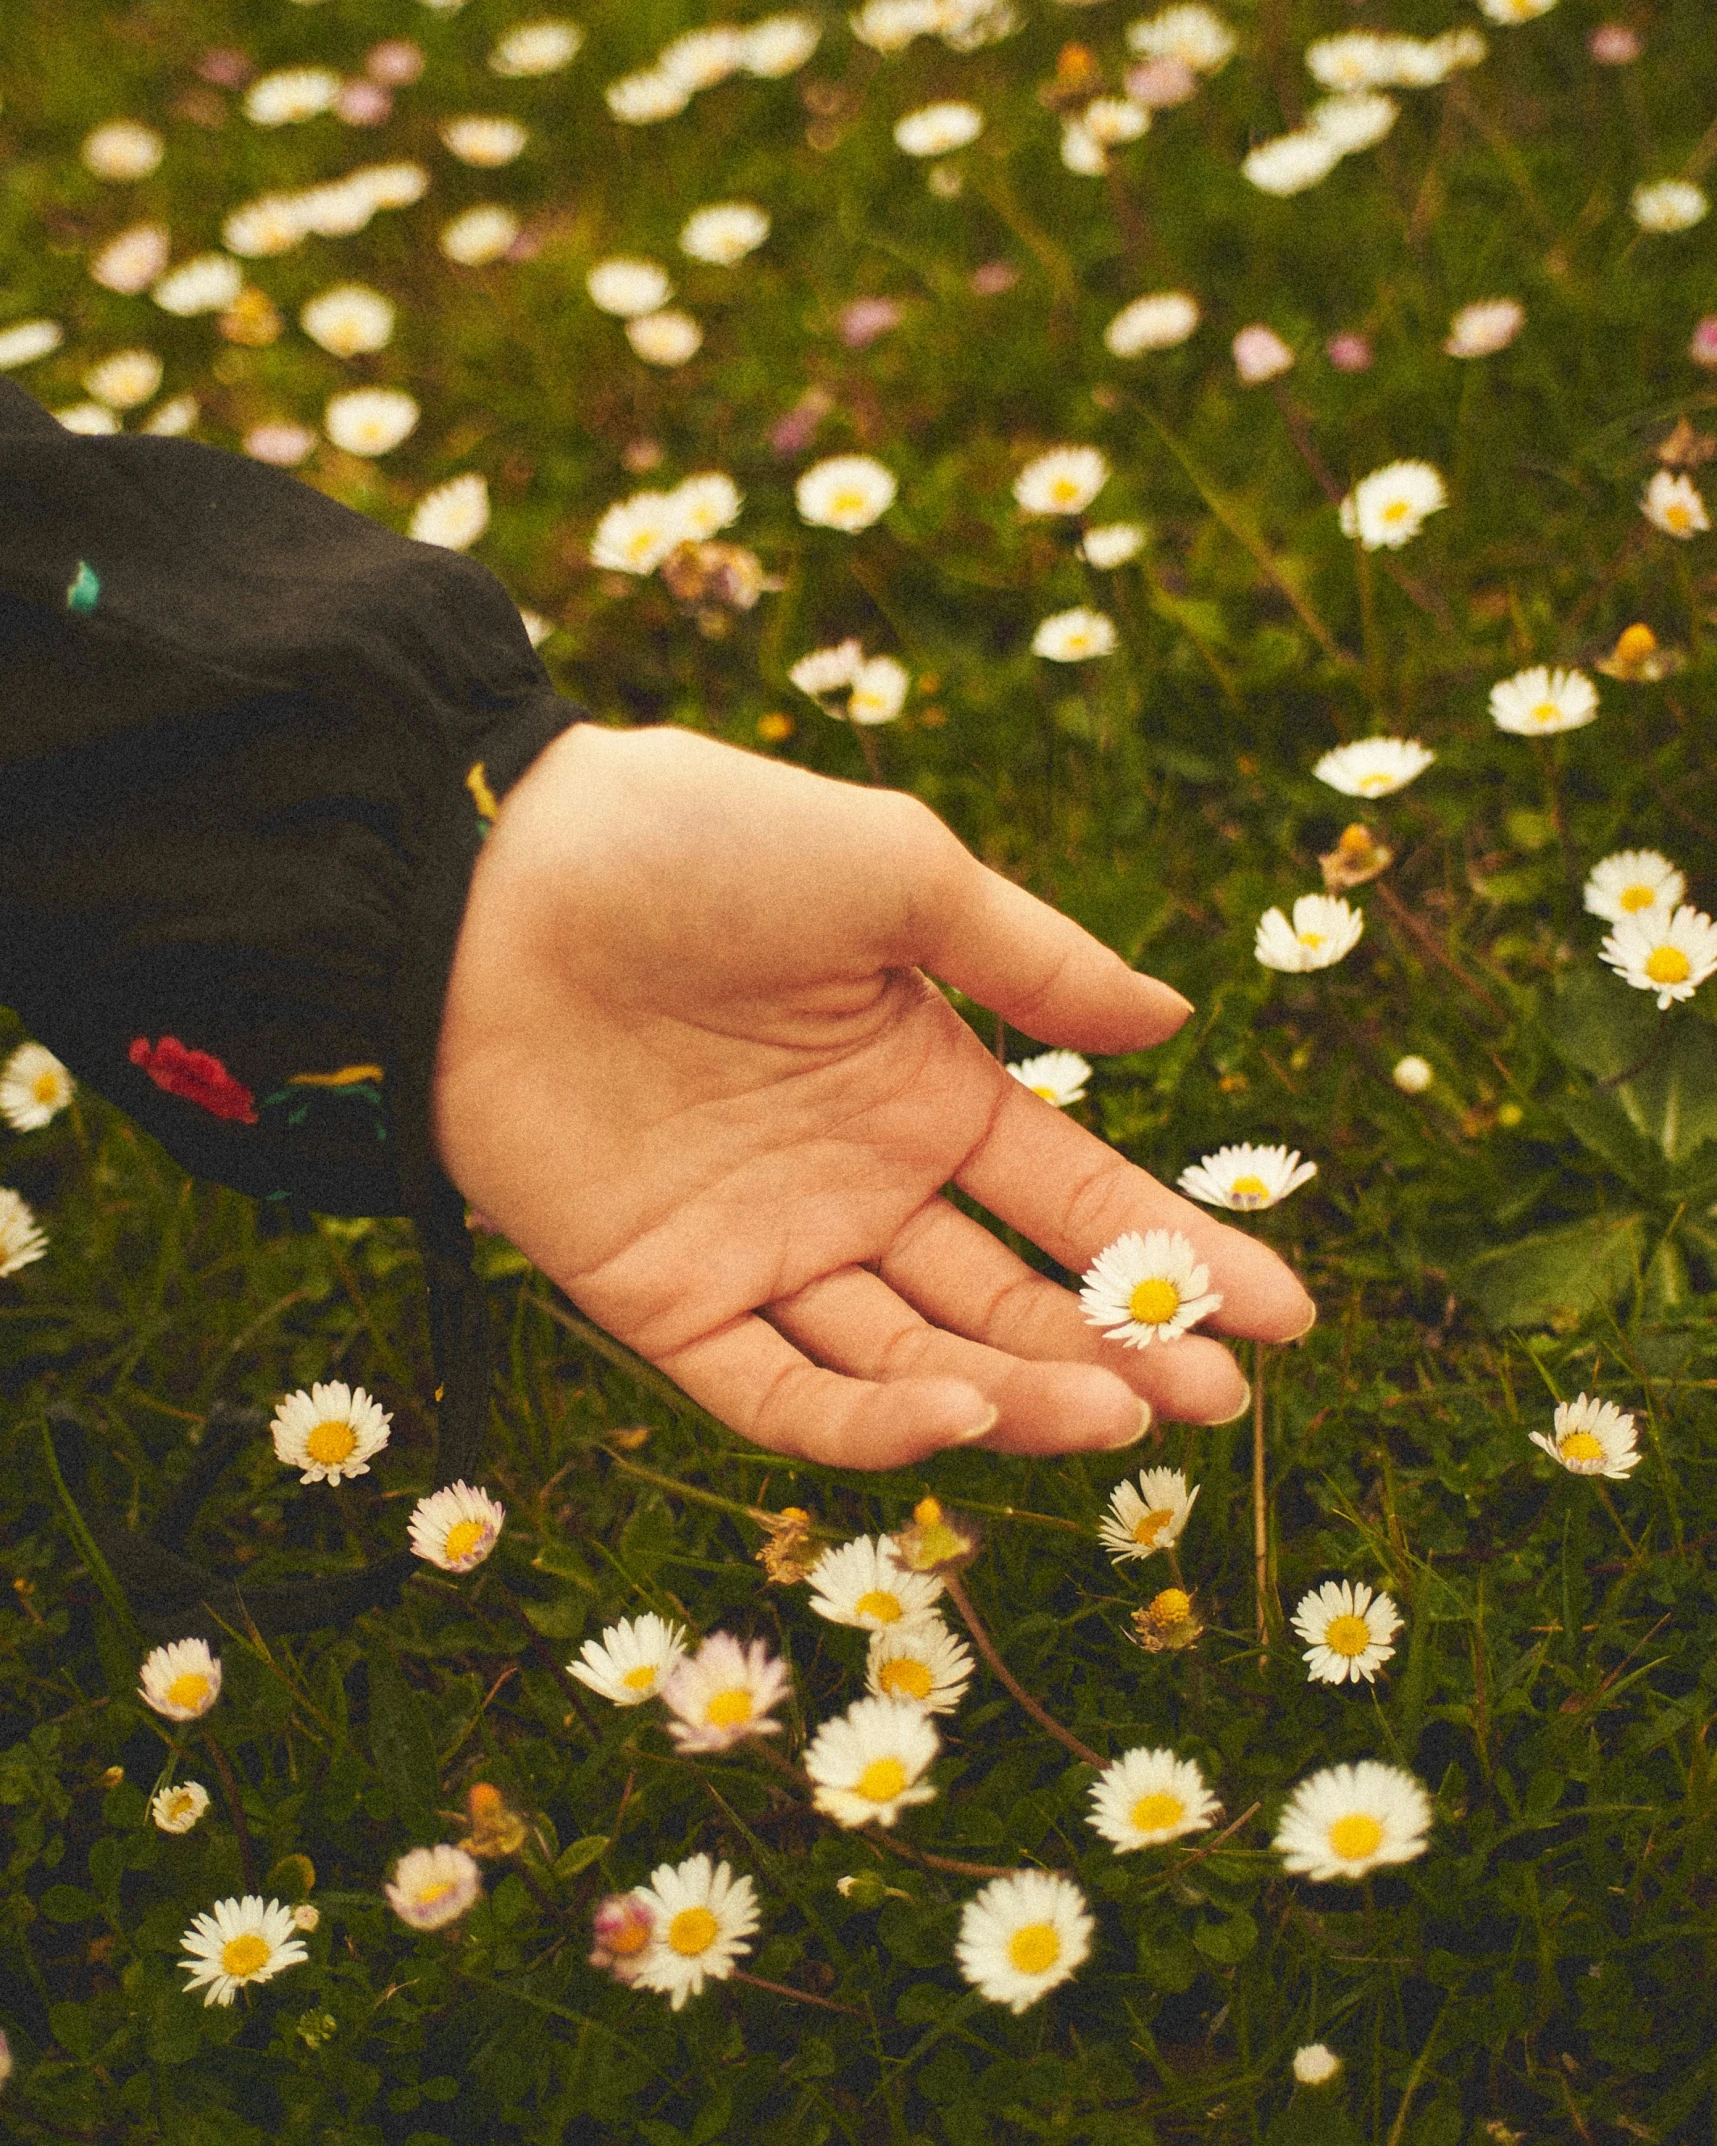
x=1467 y=239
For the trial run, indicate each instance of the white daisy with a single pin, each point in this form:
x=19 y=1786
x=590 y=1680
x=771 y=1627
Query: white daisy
x=1511 y=11
x=1112 y=544
x=1315 y=2064
x=1260 y=355
x=536 y=48
x=336 y=210
x=1113 y=121
x=920 y=1660
x=1622 y=885
x=1291 y=163
x=1324 y=931
x=1347 y=1820
x=702 y=1916
x=1355 y=122
x=122 y=149
x=1022 y=1935
x=132 y=261
x=706 y=503
x=172 y=419
x=484 y=140
x=177 y=1809
x=1668 y=205
x=279 y=442
x=1353 y=60
x=348 y=321
x=456 y=1528
x=391 y=186
x=1075 y=636
x=1373 y=767
x=891 y=25
x=1482 y=329
x=1244 y=1178
x=640 y=100
x=1081 y=151
x=1058 y=1076
x=477 y=236
x=1145 y=1798
x=34 y=1088
x=1672 y=503
x=1063 y=481
x=1149 y=1518
x=93 y=419
x=27 y=340
x=1538 y=702
x=1347 y=1630
x=632 y=1660
x=828 y=670
x=627 y=287
x=1156 y=322
x=724 y=1692
x=879 y=690
x=239 y=1941
x=724 y=232
x=863 y=1583
x=1669 y=952
x=635 y=535
x=330 y=1432
x=432 y=1887
x=1389 y=508
x=936 y=129
x=181 y=1680
x=1412 y=1074
x=846 y=492
x=272 y=224
x=866 y=1765
x=1149 y=1288
x=666 y=338
x=1196 y=36
x=699 y=59
x=1591 y=1438
x=290 y=95
x=454 y=515
x=124 y=379
x=370 y=420
x=207 y=284
x=779 y=45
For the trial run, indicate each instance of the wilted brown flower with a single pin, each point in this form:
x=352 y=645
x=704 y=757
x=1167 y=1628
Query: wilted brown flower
x=251 y=319
x=1167 y=1621
x=496 y=1828
x=1639 y=658
x=726 y=576
x=1078 y=79
x=789 y=1553
x=936 y=1541
x=1684 y=448
x=1357 y=857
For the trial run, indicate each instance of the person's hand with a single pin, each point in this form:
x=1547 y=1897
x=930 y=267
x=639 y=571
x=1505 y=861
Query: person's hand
x=691 y=1065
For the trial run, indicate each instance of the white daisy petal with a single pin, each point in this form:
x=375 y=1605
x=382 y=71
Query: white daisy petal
x=1245 y=1178
x=702 y=1918
x=920 y=1660
x=1058 y=1076
x=866 y=1764
x=1591 y=1437
x=1539 y=702
x=456 y=1528
x=1348 y=1820
x=1022 y=1935
x=1149 y=1518
x=181 y=1680
x=331 y=1432
x=1625 y=884
x=863 y=1583
x=432 y=1887
x=34 y=1088
x=1348 y=1631
x=724 y=1692
x=1148 y=1797
x=1373 y=767
x=238 y=1942
x=1324 y=930
x=632 y=1660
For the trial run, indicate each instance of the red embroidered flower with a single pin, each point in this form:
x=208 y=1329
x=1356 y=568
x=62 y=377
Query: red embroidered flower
x=196 y=1075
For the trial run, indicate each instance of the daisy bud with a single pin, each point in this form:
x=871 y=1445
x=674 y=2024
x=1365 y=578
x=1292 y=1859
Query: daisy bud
x=937 y=1541
x=1260 y=354
x=621 y=1928
x=1315 y=2064
x=496 y=1828
x=1412 y=1074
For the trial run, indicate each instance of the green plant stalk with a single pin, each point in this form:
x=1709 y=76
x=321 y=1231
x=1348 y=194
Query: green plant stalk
x=1005 y=1677
x=99 y=1569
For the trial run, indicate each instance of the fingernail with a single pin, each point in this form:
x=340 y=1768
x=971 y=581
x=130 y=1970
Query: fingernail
x=1133 y=1436
x=978 y=1430
x=1234 y=1414
x=1306 y=1329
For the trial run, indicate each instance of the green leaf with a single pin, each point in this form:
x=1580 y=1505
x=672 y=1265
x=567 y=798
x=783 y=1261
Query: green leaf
x=71 y=2028
x=1661 y=1067
x=69 y=1903
x=1227 y=1942
x=579 y=1855
x=402 y=1744
x=1558 y=1274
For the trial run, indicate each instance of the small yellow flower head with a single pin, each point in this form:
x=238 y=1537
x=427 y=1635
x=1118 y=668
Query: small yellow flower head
x=1639 y=658
x=1168 y=1621
x=789 y=1552
x=937 y=1541
x=1357 y=857
x=496 y=1828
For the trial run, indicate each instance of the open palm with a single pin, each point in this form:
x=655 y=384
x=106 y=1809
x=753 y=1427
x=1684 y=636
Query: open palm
x=692 y=1067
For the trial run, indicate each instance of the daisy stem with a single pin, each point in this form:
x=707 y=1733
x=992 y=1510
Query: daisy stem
x=1005 y=1677
x=783 y=1989
x=872 y=758
x=1684 y=584
x=949 y=1863
x=1610 y=1508
x=1368 y=631
x=235 y=1810
x=1260 y=1505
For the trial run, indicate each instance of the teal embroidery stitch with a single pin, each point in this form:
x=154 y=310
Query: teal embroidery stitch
x=84 y=589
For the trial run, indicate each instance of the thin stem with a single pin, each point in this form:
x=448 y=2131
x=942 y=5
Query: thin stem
x=1684 y=586
x=949 y=1863
x=872 y=758
x=1005 y=1676
x=1610 y=1507
x=1368 y=629
x=1260 y=1506
x=783 y=1989
x=235 y=1810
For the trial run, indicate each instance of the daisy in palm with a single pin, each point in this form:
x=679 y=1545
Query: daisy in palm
x=632 y=1660
x=1671 y=953
x=1347 y=1821
x=1632 y=881
x=921 y=1661
x=1373 y=767
x=866 y=1765
x=1022 y=1935
x=1591 y=1437
x=239 y=1942
x=864 y=1583
x=1245 y=1178
x=1148 y=1797
x=701 y=1916
x=1152 y=1517
x=1348 y=1631
x=724 y=1693
x=331 y=1432
x=1147 y=1288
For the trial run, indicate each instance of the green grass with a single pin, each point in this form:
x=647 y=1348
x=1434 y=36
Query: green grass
x=1540 y=1222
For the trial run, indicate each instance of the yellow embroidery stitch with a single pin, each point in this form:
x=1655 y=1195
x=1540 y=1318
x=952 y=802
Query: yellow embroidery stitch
x=346 y=1077
x=477 y=782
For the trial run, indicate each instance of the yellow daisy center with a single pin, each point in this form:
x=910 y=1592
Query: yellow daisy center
x=1034 y=1949
x=1172 y=1606
x=1348 y=1635
x=1397 y=510
x=1635 y=644
x=882 y=1780
x=179 y=1803
x=1154 y=1301
x=1312 y=939
x=729 y=1708
x=1668 y=965
x=1150 y=1525
x=848 y=503
x=429 y=1896
x=1635 y=898
x=1066 y=491
x=331 y=1441
x=1580 y=1445
x=1372 y=786
x=1037 y=1088
x=1158 y=1811
x=190 y=1688
x=880 y=1604
x=46 y=1088
x=693 y=1930
x=905 y=1678
x=242 y=1956
x=1356 y=1836
x=1546 y=712
x=462 y=1538
x=1677 y=516
x=641 y=1678
x=1248 y=1188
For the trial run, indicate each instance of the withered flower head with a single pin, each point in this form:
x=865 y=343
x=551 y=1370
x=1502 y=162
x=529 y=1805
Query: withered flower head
x=1357 y=857
x=725 y=576
x=1078 y=78
x=936 y=1541
x=621 y=1927
x=1167 y=1621
x=496 y=1828
x=1638 y=657
x=1685 y=448
x=251 y=319
x=789 y=1553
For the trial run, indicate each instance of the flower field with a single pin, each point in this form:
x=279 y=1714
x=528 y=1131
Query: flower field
x=1248 y=468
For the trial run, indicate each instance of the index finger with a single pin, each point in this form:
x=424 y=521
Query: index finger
x=1071 y=1195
